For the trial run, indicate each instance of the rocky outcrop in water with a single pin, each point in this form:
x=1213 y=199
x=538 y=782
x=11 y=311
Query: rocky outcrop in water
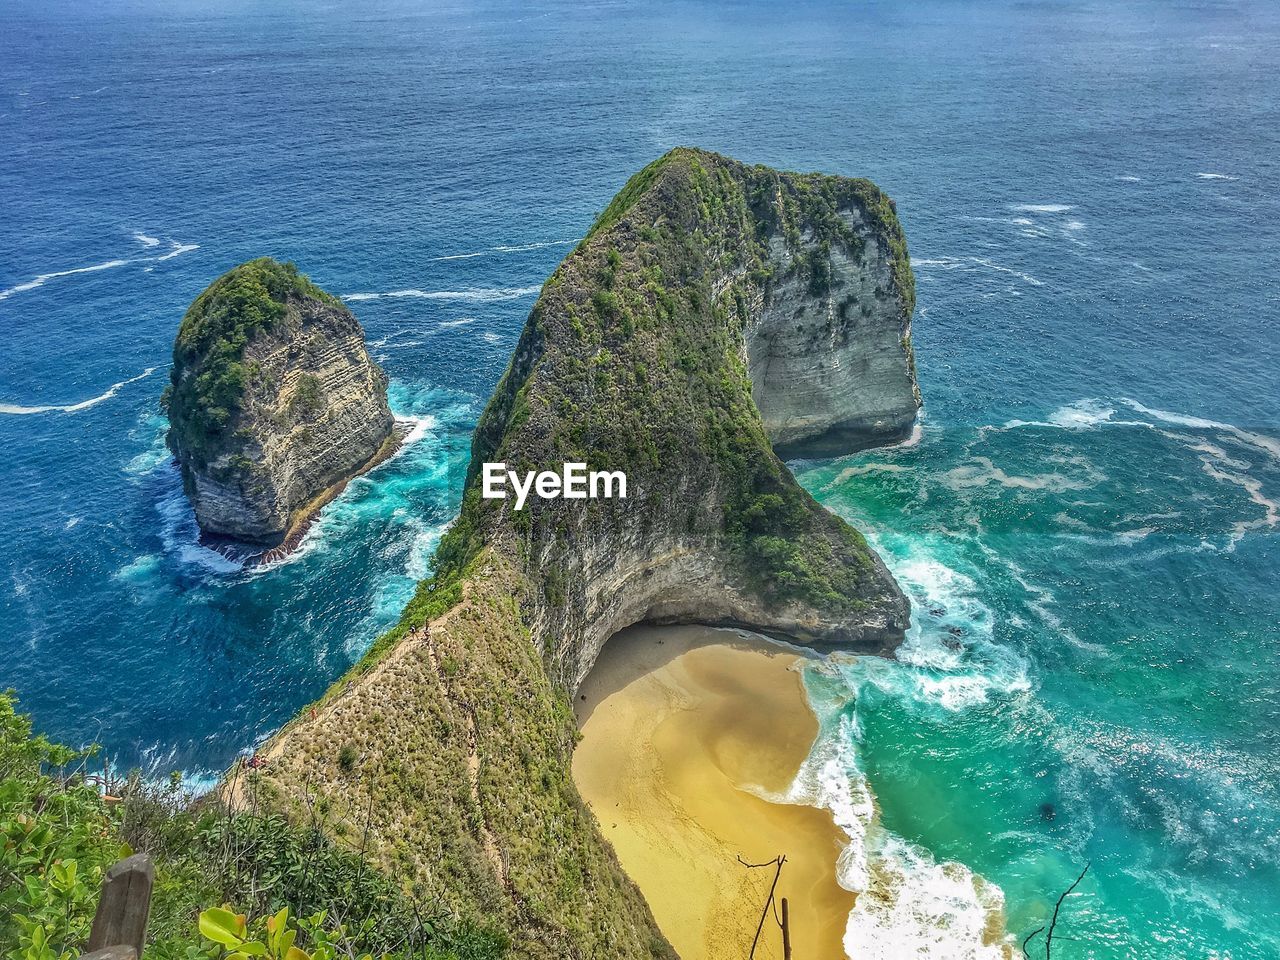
x=274 y=403
x=714 y=310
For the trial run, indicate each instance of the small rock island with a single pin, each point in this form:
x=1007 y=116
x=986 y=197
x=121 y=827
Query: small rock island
x=273 y=405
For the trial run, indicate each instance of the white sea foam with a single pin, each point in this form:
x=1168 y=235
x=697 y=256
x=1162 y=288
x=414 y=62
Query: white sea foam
x=44 y=278
x=1081 y=415
x=318 y=533
x=906 y=899
x=982 y=471
x=523 y=247
x=1269 y=445
x=862 y=469
x=458 y=256
x=1042 y=207
x=490 y=337
x=460 y=322
x=959 y=263
x=177 y=249
x=1130 y=179
x=919 y=908
x=16 y=410
x=1216 y=176
x=508 y=248
x=908 y=904
x=475 y=295
x=180 y=534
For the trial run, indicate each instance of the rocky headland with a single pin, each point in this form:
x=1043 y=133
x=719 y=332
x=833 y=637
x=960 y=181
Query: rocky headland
x=274 y=404
x=714 y=314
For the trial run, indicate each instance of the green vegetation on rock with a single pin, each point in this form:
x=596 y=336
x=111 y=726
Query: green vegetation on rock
x=209 y=375
x=633 y=359
x=59 y=835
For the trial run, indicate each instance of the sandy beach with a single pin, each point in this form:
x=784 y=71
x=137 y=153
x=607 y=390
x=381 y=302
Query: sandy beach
x=682 y=729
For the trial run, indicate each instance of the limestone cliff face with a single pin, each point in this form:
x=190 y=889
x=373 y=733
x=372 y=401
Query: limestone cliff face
x=717 y=313
x=713 y=311
x=274 y=402
x=830 y=356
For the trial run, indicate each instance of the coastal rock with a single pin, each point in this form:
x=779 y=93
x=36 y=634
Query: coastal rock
x=829 y=343
x=274 y=403
x=715 y=314
x=713 y=310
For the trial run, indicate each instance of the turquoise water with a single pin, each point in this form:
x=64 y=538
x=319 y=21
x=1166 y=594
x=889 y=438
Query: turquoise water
x=1090 y=196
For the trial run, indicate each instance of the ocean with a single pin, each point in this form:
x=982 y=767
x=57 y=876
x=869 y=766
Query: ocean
x=1086 y=521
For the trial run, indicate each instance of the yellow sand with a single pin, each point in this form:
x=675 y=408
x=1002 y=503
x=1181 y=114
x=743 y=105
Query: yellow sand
x=678 y=725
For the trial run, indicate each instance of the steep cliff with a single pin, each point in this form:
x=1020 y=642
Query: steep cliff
x=713 y=310
x=274 y=402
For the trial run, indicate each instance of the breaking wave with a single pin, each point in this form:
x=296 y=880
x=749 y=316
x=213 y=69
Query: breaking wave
x=44 y=278
x=175 y=249
x=17 y=410
x=473 y=295
x=960 y=263
x=508 y=248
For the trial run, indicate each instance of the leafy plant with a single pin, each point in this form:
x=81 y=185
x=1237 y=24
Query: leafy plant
x=57 y=838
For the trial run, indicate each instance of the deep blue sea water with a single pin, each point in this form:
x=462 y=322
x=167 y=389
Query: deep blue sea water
x=1087 y=523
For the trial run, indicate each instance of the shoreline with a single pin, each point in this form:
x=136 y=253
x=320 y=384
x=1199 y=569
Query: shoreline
x=685 y=731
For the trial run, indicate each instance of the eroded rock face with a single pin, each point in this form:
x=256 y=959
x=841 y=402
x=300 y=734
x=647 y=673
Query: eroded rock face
x=830 y=361
x=274 y=402
x=717 y=318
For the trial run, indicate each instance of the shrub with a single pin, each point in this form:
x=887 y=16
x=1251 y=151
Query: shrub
x=347 y=757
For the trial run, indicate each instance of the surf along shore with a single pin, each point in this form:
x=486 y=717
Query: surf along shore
x=684 y=731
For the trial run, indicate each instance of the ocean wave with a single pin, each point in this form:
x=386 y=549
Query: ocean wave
x=44 y=278
x=318 y=533
x=1216 y=176
x=508 y=248
x=1042 y=207
x=1215 y=460
x=175 y=249
x=905 y=897
x=475 y=295
x=922 y=908
x=1081 y=415
x=958 y=263
x=16 y=410
x=1040 y=601
x=1269 y=445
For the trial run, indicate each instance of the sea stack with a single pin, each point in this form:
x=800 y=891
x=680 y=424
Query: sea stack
x=715 y=313
x=274 y=403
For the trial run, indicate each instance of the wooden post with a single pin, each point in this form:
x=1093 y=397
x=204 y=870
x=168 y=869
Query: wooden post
x=786 y=931
x=123 y=909
x=111 y=953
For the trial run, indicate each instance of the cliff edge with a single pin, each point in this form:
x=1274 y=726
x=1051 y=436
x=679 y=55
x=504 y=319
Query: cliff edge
x=714 y=311
x=274 y=403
